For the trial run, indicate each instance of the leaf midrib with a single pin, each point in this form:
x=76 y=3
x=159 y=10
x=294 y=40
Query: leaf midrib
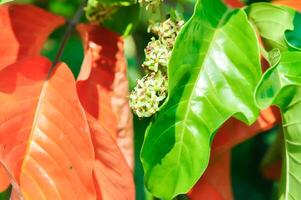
x=182 y=131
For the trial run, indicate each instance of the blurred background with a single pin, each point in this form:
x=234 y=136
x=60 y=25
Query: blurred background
x=248 y=182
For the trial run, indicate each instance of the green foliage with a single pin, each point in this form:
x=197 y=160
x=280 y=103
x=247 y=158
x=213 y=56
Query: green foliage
x=293 y=37
x=124 y=20
x=280 y=86
x=278 y=26
x=208 y=62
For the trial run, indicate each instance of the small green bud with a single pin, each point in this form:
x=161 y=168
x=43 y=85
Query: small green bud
x=156 y=56
x=147 y=95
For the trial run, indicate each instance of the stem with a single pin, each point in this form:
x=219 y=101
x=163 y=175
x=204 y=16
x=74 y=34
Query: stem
x=70 y=25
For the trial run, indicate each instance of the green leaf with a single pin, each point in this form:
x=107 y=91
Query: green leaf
x=124 y=20
x=213 y=72
x=5 y=195
x=278 y=26
x=281 y=86
x=293 y=37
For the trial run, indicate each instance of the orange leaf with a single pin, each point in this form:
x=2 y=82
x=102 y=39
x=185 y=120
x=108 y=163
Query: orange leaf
x=24 y=29
x=296 y=4
x=7 y=176
x=16 y=104
x=43 y=122
x=103 y=87
x=234 y=132
x=215 y=184
x=234 y=3
x=23 y=34
x=4 y=179
x=112 y=176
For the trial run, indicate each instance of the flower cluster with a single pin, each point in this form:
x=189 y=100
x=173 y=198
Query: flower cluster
x=156 y=56
x=97 y=12
x=151 y=90
x=148 y=94
x=168 y=31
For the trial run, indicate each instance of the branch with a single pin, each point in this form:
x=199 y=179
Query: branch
x=70 y=25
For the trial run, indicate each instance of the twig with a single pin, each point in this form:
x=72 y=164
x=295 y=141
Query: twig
x=70 y=25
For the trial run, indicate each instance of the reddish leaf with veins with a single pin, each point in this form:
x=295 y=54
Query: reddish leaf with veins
x=24 y=29
x=19 y=88
x=112 y=176
x=20 y=39
x=44 y=131
x=103 y=87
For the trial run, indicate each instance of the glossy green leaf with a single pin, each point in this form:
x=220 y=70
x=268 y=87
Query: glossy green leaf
x=213 y=72
x=293 y=37
x=281 y=86
x=278 y=26
x=124 y=20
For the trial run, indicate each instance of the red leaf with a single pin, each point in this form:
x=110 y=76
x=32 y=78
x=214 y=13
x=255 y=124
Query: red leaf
x=103 y=87
x=24 y=29
x=112 y=176
x=22 y=35
x=296 y=4
x=6 y=175
x=234 y=3
x=16 y=104
x=215 y=184
x=4 y=179
x=43 y=122
x=234 y=132
x=271 y=163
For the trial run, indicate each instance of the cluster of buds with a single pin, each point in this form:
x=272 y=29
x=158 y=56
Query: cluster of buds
x=156 y=56
x=97 y=12
x=168 y=31
x=148 y=94
x=151 y=90
x=150 y=4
